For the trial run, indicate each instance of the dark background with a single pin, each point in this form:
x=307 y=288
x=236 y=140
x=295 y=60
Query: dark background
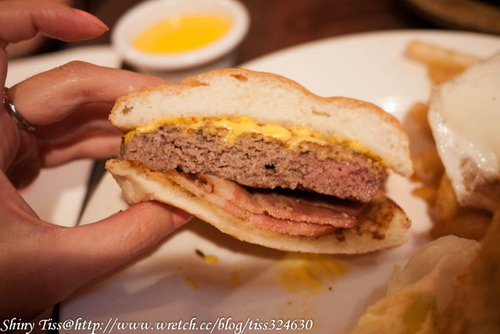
x=277 y=24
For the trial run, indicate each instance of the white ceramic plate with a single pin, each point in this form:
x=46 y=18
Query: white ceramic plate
x=58 y=193
x=174 y=283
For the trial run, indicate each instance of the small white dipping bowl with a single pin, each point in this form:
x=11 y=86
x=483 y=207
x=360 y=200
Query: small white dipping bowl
x=175 y=67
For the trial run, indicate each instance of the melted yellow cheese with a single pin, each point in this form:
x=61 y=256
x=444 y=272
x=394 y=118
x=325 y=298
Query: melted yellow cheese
x=211 y=259
x=188 y=123
x=192 y=283
x=235 y=127
x=182 y=33
x=243 y=125
x=304 y=134
x=310 y=272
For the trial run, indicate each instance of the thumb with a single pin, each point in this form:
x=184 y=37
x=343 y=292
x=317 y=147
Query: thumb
x=50 y=262
x=89 y=251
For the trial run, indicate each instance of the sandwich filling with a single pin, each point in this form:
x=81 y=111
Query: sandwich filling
x=319 y=185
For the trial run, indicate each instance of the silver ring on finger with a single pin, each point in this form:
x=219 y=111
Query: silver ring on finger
x=20 y=120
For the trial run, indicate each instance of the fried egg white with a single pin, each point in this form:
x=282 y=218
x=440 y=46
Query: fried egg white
x=464 y=115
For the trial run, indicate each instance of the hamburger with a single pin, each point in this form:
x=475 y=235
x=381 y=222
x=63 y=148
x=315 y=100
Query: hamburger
x=266 y=161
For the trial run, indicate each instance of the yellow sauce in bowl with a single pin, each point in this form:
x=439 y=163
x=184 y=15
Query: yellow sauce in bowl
x=182 y=33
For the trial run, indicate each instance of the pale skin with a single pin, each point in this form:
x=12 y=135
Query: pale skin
x=41 y=263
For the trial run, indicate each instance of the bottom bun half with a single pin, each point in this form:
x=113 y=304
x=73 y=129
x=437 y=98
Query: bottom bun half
x=383 y=224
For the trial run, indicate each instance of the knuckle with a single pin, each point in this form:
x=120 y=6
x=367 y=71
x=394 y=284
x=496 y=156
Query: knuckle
x=73 y=68
x=141 y=233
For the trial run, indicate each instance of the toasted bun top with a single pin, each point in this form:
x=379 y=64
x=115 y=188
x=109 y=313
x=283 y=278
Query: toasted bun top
x=268 y=98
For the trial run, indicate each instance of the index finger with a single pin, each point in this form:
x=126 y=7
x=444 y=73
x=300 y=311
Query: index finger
x=71 y=86
x=22 y=20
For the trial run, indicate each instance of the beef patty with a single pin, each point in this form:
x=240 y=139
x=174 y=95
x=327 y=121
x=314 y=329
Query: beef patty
x=259 y=162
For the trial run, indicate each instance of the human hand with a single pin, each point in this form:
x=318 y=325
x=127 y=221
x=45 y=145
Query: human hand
x=41 y=263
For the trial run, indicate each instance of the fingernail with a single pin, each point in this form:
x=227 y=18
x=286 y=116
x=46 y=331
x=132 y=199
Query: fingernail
x=92 y=18
x=180 y=218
